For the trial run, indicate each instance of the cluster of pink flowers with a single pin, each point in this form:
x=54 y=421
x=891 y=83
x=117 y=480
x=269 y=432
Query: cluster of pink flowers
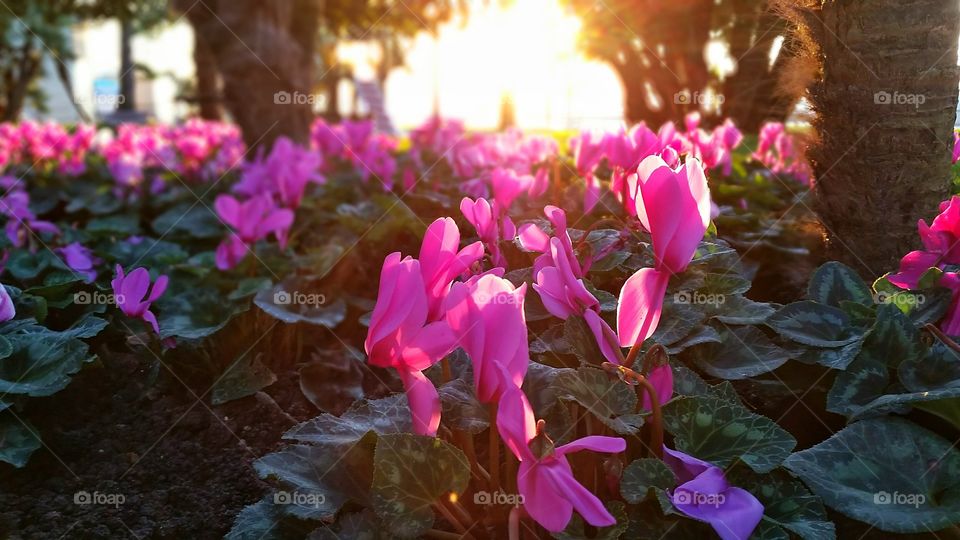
x=422 y=314
x=429 y=306
x=777 y=150
x=195 y=150
x=45 y=146
x=22 y=223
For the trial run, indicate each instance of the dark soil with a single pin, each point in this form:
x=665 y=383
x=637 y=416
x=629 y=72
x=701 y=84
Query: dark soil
x=181 y=466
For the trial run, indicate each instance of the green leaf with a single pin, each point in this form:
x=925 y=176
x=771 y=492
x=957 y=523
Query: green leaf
x=258 y=521
x=581 y=340
x=243 y=378
x=191 y=219
x=333 y=380
x=382 y=416
x=42 y=361
x=606 y=397
x=835 y=282
x=118 y=225
x=787 y=503
x=718 y=431
x=18 y=440
x=362 y=525
x=642 y=475
x=318 y=262
x=24 y=265
x=702 y=335
x=892 y=340
x=6 y=349
x=813 y=324
x=286 y=302
x=678 y=320
x=316 y=482
x=686 y=382
x=838 y=358
x=886 y=472
x=461 y=410
x=737 y=309
x=743 y=352
x=411 y=473
x=188 y=310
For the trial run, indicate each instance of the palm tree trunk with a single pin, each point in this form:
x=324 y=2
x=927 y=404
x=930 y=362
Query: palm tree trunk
x=265 y=55
x=886 y=104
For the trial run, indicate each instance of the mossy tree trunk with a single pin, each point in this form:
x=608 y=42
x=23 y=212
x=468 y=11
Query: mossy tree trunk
x=886 y=102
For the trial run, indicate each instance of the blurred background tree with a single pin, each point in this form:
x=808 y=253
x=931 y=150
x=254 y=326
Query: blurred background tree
x=659 y=51
x=271 y=58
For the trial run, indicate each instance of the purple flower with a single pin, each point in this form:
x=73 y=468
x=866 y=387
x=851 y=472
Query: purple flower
x=704 y=494
x=130 y=294
x=81 y=260
x=7 y=310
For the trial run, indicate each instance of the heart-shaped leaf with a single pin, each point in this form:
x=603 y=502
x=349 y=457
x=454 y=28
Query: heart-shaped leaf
x=411 y=473
x=720 y=431
x=744 y=351
x=813 y=324
x=886 y=472
x=642 y=475
x=835 y=282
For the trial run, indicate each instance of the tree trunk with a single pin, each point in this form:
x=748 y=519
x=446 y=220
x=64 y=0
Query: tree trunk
x=127 y=81
x=752 y=95
x=886 y=108
x=208 y=79
x=265 y=55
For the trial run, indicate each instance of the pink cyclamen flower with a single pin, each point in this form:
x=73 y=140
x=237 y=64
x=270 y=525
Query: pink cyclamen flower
x=588 y=150
x=252 y=221
x=486 y=314
x=550 y=491
x=81 y=260
x=508 y=185
x=399 y=337
x=7 y=311
x=286 y=172
x=130 y=294
x=441 y=262
x=674 y=206
x=562 y=291
x=704 y=494
x=956 y=147
x=490 y=224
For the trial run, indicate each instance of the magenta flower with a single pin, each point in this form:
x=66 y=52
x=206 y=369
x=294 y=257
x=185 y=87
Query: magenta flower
x=130 y=294
x=941 y=243
x=508 y=185
x=441 y=262
x=251 y=221
x=81 y=260
x=486 y=315
x=544 y=478
x=704 y=494
x=399 y=337
x=21 y=221
x=674 y=206
x=956 y=147
x=490 y=225
x=588 y=150
x=285 y=173
x=562 y=292
x=7 y=311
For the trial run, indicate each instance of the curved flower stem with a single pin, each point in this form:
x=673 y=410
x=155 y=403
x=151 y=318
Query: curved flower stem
x=446 y=373
x=633 y=378
x=465 y=441
x=494 y=451
x=514 y=523
x=945 y=339
x=448 y=515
